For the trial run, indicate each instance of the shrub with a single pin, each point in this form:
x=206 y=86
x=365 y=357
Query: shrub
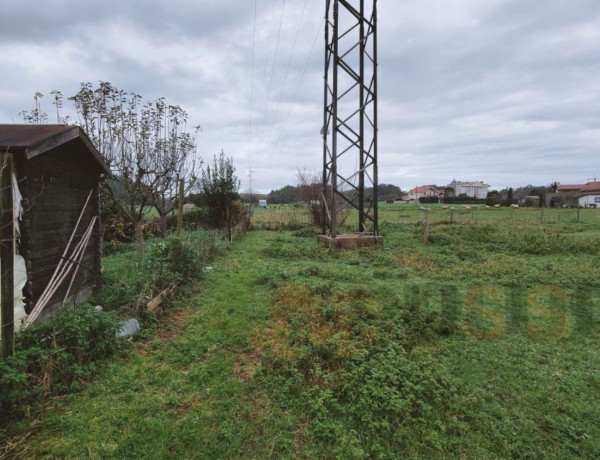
x=166 y=261
x=56 y=356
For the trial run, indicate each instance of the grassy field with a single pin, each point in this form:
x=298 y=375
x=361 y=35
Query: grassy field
x=480 y=344
x=281 y=216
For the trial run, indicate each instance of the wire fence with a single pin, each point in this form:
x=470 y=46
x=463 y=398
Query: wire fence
x=281 y=217
x=288 y=216
x=465 y=215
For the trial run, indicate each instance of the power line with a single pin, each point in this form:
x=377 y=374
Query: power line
x=273 y=67
x=282 y=132
x=250 y=141
x=287 y=70
x=264 y=77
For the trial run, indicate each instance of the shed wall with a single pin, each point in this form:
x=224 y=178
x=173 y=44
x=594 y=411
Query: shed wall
x=55 y=187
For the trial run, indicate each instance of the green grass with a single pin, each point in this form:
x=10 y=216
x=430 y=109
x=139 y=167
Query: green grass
x=481 y=344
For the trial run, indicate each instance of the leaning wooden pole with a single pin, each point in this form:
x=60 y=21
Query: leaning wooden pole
x=180 y=208
x=7 y=298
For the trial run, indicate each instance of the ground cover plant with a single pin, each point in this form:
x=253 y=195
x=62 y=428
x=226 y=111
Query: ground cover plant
x=481 y=343
x=60 y=355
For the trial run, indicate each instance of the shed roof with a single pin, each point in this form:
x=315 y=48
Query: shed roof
x=33 y=140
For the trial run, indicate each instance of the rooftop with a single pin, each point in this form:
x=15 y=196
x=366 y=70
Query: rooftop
x=423 y=188
x=33 y=140
x=21 y=137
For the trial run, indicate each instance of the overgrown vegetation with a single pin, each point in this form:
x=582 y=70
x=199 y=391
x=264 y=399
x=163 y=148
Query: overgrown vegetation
x=219 y=188
x=56 y=356
x=480 y=344
x=60 y=355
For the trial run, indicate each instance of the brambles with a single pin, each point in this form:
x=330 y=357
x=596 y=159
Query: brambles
x=57 y=356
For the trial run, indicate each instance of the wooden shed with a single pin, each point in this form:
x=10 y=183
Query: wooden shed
x=57 y=172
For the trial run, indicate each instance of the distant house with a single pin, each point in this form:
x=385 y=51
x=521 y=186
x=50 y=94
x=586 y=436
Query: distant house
x=584 y=195
x=590 y=200
x=530 y=200
x=589 y=195
x=262 y=203
x=189 y=207
x=56 y=172
x=422 y=191
x=569 y=188
x=477 y=190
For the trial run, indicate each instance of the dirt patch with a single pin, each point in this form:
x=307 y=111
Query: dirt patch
x=246 y=365
x=418 y=262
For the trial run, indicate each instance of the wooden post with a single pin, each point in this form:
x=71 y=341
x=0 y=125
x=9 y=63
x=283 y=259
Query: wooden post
x=180 y=209
x=426 y=228
x=7 y=298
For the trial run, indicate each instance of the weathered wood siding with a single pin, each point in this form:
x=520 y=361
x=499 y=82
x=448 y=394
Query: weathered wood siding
x=55 y=186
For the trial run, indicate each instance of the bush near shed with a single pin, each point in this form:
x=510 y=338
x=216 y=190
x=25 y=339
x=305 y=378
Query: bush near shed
x=60 y=355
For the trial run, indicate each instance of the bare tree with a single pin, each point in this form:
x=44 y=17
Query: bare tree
x=35 y=116
x=139 y=142
x=311 y=192
x=176 y=156
x=309 y=185
x=147 y=147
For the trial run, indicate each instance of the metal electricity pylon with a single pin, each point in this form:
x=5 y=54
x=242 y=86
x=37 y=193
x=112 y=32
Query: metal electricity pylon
x=350 y=114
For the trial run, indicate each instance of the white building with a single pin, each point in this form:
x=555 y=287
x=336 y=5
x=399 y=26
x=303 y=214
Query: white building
x=589 y=195
x=476 y=189
x=590 y=200
x=423 y=191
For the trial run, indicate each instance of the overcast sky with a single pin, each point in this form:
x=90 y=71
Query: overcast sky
x=503 y=91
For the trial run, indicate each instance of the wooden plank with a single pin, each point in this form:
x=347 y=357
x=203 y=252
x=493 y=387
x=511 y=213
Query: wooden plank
x=155 y=303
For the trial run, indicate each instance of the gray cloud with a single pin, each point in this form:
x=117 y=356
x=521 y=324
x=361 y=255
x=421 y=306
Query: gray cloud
x=503 y=91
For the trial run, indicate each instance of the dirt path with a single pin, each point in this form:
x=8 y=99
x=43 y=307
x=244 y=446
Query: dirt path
x=187 y=392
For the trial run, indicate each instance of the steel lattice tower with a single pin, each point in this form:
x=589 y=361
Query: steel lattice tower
x=350 y=113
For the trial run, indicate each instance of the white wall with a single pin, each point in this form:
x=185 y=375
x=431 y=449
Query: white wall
x=589 y=200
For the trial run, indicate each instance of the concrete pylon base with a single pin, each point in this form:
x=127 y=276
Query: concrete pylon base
x=350 y=241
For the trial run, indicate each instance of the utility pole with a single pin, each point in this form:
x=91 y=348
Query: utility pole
x=250 y=180
x=7 y=240
x=350 y=113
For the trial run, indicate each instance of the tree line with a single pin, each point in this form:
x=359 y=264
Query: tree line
x=290 y=194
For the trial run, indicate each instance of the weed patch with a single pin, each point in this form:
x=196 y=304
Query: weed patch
x=354 y=360
x=56 y=357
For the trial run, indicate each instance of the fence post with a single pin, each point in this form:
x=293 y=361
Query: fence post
x=7 y=298
x=180 y=209
x=426 y=228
